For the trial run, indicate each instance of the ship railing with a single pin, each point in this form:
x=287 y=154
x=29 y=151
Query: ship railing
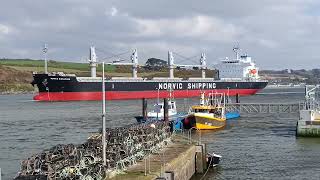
x=126 y=78
x=166 y=78
x=242 y=80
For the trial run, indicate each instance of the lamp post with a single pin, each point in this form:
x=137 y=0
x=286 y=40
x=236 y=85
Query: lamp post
x=228 y=95
x=103 y=118
x=158 y=109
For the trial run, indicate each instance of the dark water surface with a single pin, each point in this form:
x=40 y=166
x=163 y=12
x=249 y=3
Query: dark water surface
x=256 y=147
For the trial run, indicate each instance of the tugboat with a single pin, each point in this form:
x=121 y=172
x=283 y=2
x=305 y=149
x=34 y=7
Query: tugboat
x=210 y=114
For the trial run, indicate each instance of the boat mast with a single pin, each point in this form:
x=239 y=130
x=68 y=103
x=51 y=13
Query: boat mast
x=134 y=59
x=45 y=50
x=171 y=64
x=93 y=61
x=203 y=65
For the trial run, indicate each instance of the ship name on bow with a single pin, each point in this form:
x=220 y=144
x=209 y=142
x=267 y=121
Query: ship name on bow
x=60 y=78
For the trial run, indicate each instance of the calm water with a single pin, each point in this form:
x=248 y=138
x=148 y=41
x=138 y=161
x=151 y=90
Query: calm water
x=260 y=147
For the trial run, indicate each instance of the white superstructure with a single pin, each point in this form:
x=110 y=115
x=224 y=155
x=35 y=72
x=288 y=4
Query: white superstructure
x=241 y=68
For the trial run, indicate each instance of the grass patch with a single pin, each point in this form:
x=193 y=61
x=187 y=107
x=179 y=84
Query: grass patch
x=39 y=64
x=16 y=87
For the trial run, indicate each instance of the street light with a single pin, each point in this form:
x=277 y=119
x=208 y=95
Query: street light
x=103 y=118
x=228 y=94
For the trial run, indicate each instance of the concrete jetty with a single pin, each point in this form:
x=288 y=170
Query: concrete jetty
x=175 y=161
x=143 y=151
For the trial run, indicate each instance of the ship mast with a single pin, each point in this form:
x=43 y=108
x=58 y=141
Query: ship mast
x=133 y=63
x=171 y=64
x=134 y=60
x=203 y=65
x=45 y=50
x=236 y=49
x=93 y=61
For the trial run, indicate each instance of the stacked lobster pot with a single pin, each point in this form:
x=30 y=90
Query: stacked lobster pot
x=125 y=146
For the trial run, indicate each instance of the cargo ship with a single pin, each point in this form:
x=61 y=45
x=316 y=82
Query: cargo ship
x=235 y=77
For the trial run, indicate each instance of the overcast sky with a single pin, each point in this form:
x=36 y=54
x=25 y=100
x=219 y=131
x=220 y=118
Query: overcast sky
x=278 y=34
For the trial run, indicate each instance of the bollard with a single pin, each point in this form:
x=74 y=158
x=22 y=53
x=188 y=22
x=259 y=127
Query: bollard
x=201 y=163
x=169 y=175
x=199 y=159
x=0 y=174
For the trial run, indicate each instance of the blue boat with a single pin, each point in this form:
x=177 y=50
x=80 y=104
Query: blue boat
x=232 y=115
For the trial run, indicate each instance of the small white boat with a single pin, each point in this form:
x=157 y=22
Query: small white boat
x=158 y=110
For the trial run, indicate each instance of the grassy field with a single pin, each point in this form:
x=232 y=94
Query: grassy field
x=38 y=65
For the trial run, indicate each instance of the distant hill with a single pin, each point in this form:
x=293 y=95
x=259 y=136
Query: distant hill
x=292 y=76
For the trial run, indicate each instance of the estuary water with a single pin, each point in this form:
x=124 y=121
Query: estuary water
x=253 y=147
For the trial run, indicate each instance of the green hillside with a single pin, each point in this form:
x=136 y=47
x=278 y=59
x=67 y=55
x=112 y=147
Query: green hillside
x=39 y=64
x=16 y=74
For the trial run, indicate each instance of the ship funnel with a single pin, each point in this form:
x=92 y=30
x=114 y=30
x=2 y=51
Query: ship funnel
x=134 y=60
x=93 y=61
x=203 y=65
x=171 y=64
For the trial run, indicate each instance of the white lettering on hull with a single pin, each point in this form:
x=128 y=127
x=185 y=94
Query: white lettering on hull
x=190 y=86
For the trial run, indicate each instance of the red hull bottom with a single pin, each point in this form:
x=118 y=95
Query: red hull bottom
x=122 y=95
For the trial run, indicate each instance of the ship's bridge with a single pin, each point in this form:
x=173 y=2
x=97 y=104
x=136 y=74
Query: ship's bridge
x=239 y=68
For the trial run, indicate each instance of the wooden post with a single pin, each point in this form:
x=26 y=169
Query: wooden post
x=166 y=109
x=237 y=98
x=144 y=109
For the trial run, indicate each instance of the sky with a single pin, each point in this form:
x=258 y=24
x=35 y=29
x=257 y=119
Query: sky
x=278 y=34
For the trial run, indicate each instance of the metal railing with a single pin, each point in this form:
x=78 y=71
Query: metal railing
x=267 y=108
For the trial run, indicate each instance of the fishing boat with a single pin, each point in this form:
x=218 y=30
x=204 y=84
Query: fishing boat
x=209 y=114
x=158 y=110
